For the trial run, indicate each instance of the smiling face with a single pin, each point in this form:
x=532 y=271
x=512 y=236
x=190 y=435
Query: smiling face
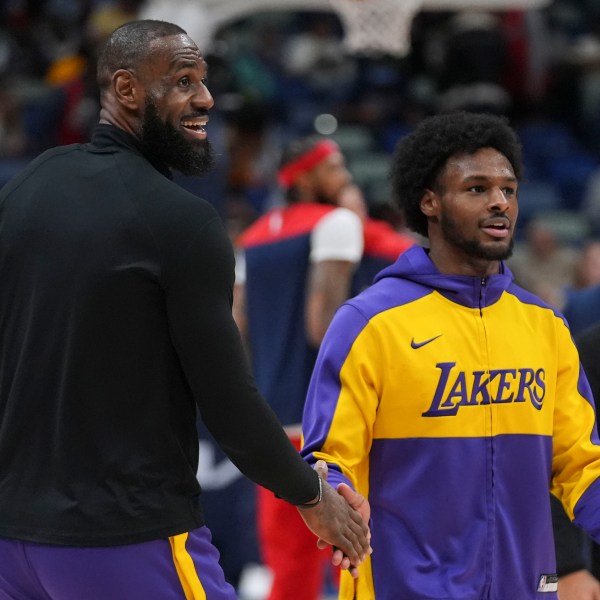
x=472 y=213
x=176 y=106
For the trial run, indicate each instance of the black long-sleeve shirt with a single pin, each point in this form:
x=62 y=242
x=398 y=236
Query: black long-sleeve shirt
x=574 y=549
x=115 y=326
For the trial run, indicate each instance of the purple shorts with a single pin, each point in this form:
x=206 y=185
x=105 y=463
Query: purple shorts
x=182 y=567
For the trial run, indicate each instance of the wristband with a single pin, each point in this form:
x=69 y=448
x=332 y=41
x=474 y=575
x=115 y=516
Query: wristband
x=319 y=496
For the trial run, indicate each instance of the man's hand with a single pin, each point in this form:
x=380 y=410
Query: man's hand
x=357 y=502
x=338 y=522
x=579 y=585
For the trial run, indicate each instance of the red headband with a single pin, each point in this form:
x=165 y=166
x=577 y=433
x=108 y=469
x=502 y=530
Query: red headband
x=305 y=162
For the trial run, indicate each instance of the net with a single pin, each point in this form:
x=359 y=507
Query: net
x=377 y=26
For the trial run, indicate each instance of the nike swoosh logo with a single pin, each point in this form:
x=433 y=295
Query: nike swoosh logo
x=416 y=345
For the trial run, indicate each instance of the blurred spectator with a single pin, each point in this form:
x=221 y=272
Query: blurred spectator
x=587 y=269
x=254 y=60
x=575 y=90
x=475 y=61
x=581 y=300
x=582 y=308
x=254 y=149
x=381 y=100
x=542 y=264
x=107 y=15
x=591 y=200
x=79 y=112
x=313 y=56
x=13 y=142
x=383 y=243
x=529 y=54
x=189 y=14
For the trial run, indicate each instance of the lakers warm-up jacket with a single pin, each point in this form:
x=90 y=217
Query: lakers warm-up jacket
x=455 y=404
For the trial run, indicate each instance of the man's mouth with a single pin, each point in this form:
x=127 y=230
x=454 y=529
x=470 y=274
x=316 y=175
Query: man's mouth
x=195 y=127
x=497 y=228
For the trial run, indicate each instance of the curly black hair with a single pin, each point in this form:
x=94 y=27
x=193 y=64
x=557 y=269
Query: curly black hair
x=420 y=157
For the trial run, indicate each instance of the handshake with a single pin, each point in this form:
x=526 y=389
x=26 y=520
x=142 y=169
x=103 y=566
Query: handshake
x=340 y=520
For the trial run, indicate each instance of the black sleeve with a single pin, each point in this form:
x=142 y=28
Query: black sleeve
x=199 y=295
x=588 y=345
x=572 y=545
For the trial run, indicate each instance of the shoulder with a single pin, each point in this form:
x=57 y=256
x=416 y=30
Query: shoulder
x=338 y=235
x=532 y=301
x=388 y=293
x=54 y=161
x=285 y=222
x=163 y=202
x=338 y=217
x=174 y=217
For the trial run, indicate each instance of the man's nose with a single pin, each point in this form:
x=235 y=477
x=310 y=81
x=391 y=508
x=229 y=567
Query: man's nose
x=203 y=98
x=499 y=199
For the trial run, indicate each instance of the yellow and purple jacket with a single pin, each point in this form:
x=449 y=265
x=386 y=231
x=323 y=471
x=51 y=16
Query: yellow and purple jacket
x=454 y=404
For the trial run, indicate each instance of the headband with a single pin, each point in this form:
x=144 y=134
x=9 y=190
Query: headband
x=305 y=162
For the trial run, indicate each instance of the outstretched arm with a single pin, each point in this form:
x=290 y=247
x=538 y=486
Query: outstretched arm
x=208 y=344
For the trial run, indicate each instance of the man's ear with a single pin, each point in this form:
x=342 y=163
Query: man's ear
x=429 y=203
x=127 y=89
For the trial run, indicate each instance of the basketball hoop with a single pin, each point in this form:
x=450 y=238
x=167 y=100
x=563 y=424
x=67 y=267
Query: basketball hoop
x=377 y=26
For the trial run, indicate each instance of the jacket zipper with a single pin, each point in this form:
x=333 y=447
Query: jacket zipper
x=492 y=508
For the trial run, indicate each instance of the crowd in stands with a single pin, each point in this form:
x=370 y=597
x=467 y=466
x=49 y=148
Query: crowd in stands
x=273 y=73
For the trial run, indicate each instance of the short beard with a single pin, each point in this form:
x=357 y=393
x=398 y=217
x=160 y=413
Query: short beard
x=473 y=248
x=164 y=144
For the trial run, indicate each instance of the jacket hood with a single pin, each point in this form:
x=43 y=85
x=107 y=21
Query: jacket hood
x=415 y=265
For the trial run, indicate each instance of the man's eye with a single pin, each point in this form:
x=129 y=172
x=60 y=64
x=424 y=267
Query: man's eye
x=184 y=81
